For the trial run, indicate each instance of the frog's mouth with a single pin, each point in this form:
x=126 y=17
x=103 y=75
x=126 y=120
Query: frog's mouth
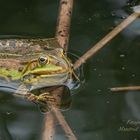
x=46 y=72
x=42 y=79
x=49 y=69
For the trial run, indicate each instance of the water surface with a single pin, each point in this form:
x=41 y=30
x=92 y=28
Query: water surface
x=96 y=113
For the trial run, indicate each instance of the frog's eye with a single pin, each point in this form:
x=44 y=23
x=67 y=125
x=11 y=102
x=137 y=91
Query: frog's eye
x=43 y=60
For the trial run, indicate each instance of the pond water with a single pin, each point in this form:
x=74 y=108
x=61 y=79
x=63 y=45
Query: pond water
x=96 y=113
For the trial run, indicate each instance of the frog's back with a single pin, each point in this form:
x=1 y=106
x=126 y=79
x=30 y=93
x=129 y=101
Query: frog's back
x=27 y=45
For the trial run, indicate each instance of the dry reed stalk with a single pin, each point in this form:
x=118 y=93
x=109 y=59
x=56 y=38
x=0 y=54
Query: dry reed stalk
x=106 y=39
x=63 y=22
x=129 y=88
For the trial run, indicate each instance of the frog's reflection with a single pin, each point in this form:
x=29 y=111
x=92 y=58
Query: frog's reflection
x=4 y=132
x=20 y=113
x=46 y=98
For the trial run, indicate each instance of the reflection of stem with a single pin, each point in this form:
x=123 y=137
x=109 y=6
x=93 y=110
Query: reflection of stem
x=4 y=132
x=63 y=23
x=106 y=39
x=64 y=124
x=119 y=89
x=48 y=132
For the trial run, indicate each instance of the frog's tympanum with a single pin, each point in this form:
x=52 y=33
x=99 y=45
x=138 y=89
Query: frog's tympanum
x=27 y=65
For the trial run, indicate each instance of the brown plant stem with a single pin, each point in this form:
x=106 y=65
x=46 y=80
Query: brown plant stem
x=106 y=39
x=63 y=22
x=129 y=88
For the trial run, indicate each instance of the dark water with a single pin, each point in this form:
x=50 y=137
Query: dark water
x=96 y=113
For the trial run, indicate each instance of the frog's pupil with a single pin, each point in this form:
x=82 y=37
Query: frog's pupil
x=42 y=60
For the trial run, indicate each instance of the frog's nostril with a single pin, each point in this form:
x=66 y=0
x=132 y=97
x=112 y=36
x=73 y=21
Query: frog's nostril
x=27 y=77
x=20 y=69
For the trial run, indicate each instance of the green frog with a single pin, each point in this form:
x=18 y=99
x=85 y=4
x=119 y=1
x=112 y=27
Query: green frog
x=27 y=65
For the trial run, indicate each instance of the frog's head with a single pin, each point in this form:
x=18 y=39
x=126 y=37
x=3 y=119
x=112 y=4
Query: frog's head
x=47 y=69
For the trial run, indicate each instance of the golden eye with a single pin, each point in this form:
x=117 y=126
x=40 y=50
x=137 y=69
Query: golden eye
x=43 y=60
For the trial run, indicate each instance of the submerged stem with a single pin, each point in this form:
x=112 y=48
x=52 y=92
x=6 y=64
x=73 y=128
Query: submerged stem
x=49 y=130
x=64 y=124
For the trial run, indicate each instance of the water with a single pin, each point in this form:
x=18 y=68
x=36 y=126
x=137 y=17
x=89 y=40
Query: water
x=96 y=113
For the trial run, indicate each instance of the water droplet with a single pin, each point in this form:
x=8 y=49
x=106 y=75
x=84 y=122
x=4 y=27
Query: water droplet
x=99 y=90
x=113 y=14
x=133 y=75
x=107 y=102
x=123 y=68
x=89 y=19
x=123 y=17
x=8 y=113
x=122 y=55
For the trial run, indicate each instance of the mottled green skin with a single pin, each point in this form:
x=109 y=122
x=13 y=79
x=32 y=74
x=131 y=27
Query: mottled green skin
x=14 y=74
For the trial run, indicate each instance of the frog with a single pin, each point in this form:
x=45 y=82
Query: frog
x=31 y=64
